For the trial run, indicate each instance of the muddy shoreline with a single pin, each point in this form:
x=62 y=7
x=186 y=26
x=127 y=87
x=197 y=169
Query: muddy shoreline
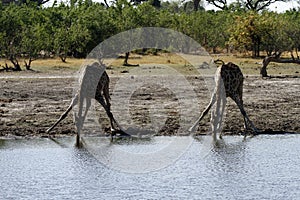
x=32 y=103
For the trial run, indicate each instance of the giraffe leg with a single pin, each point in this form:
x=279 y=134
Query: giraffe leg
x=211 y=103
x=64 y=115
x=215 y=117
x=246 y=118
x=109 y=114
x=107 y=103
x=88 y=105
x=221 y=103
x=213 y=123
x=221 y=114
x=246 y=127
x=79 y=121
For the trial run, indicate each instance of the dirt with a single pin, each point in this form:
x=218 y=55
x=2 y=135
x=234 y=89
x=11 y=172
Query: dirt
x=30 y=104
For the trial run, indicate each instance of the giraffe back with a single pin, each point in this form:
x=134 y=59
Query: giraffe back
x=94 y=81
x=233 y=78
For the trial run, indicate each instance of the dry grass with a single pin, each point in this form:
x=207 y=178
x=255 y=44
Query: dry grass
x=51 y=64
x=167 y=59
x=249 y=66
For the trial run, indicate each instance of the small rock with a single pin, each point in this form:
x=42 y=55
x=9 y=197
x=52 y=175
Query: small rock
x=37 y=124
x=10 y=124
x=24 y=95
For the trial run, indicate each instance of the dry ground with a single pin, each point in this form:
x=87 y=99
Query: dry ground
x=30 y=101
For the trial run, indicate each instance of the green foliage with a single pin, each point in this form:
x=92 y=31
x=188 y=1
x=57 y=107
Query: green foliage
x=266 y=31
x=76 y=28
x=11 y=27
x=70 y=32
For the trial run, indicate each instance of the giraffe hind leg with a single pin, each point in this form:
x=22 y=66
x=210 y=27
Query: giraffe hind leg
x=81 y=118
x=112 y=119
x=221 y=115
x=110 y=116
x=246 y=118
x=217 y=118
x=107 y=103
x=220 y=107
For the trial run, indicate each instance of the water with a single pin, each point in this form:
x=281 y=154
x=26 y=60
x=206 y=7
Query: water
x=263 y=167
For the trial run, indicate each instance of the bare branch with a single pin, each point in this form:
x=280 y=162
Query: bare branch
x=221 y=4
x=256 y=5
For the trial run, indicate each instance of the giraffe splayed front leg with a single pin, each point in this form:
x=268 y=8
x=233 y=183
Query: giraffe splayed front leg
x=65 y=114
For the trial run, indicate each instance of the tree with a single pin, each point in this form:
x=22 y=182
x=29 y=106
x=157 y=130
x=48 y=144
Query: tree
x=99 y=22
x=196 y=4
x=11 y=27
x=171 y=6
x=154 y=3
x=221 y=4
x=71 y=34
x=259 y=5
x=217 y=33
x=35 y=34
x=37 y=2
x=254 y=5
x=126 y=18
x=246 y=35
x=285 y=38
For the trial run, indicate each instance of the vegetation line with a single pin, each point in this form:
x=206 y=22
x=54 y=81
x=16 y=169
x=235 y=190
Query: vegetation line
x=30 y=31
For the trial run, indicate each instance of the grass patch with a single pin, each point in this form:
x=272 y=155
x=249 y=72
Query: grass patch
x=249 y=66
x=50 y=64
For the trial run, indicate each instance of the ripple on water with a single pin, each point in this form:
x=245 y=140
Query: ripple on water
x=263 y=167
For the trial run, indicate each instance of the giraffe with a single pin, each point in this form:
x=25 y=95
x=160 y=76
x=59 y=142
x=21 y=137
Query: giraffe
x=229 y=83
x=94 y=84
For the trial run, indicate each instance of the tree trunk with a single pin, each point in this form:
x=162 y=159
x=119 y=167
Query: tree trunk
x=214 y=50
x=297 y=53
x=263 y=70
x=106 y=4
x=6 y=67
x=196 y=4
x=28 y=65
x=255 y=46
x=253 y=50
x=15 y=62
x=126 y=59
x=275 y=58
x=258 y=48
x=63 y=58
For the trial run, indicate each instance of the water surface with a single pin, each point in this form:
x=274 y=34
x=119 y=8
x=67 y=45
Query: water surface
x=263 y=167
